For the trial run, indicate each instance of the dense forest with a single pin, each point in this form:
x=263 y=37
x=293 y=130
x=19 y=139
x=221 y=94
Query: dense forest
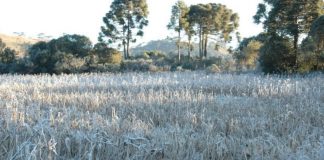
x=292 y=42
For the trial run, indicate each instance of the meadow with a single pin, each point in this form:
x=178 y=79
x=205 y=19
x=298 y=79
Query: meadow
x=172 y=115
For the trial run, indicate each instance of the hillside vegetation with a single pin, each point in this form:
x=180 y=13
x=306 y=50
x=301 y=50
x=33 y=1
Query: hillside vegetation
x=20 y=44
x=169 y=47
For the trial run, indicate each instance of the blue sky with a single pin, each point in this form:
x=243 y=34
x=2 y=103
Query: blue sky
x=56 y=17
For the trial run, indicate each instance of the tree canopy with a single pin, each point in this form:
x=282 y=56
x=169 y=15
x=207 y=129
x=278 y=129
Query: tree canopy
x=125 y=20
x=212 y=20
x=289 y=17
x=179 y=21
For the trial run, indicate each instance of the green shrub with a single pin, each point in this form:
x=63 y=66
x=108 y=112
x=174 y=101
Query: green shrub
x=115 y=57
x=311 y=57
x=68 y=63
x=77 y=45
x=213 y=69
x=154 y=55
x=100 y=68
x=276 y=56
x=136 y=65
x=106 y=54
x=8 y=56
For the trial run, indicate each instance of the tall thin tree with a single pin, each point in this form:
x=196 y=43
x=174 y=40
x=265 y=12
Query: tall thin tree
x=125 y=20
x=178 y=21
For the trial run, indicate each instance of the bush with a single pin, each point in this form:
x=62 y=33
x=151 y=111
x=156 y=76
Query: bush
x=68 y=63
x=276 y=56
x=7 y=56
x=66 y=54
x=41 y=58
x=213 y=69
x=306 y=62
x=106 y=54
x=136 y=65
x=248 y=55
x=21 y=66
x=77 y=45
x=311 y=57
x=154 y=55
x=99 y=68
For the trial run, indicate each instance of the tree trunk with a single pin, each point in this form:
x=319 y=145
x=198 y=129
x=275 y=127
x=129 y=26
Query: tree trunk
x=200 y=43
x=189 y=47
x=318 y=52
x=125 y=52
x=128 y=54
x=296 y=37
x=205 y=45
x=179 y=40
x=128 y=35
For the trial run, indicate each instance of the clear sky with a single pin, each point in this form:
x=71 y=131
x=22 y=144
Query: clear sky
x=55 y=17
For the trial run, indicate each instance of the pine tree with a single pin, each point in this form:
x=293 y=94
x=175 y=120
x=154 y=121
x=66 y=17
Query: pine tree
x=125 y=20
x=178 y=21
x=289 y=17
x=212 y=20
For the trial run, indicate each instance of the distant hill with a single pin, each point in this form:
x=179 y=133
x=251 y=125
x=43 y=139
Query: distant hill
x=18 y=43
x=169 y=47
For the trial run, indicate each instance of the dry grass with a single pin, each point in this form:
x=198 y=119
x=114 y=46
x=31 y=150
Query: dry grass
x=161 y=116
x=18 y=43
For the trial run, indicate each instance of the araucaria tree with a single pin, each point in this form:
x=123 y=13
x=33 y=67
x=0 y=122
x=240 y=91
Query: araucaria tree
x=212 y=21
x=178 y=21
x=125 y=20
x=289 y=18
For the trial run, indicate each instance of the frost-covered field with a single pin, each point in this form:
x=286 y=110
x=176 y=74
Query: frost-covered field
x=161 y=116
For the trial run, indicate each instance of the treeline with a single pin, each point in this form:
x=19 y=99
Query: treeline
x=77 y=54
x=66 y=54
x=278 y=49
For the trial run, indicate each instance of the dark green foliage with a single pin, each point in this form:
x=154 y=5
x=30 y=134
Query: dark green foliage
x=41 y=57
x=63 y=55
x=312 y=55
x=72 y=54
x=106 y=54
x=20 y=66
x=317 y=31
x=7 y=55
x=289 y=18
x=247 y=57
x=262 y=37
x=137 y=65
x=195 y=63
x=248 y=50
x=68 y=63
x=154 y=55
x=212 y=20
x=276 y=55
x=78 y=45
x=7 y=58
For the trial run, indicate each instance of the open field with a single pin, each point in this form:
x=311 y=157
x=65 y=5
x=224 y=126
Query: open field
x=188 y=115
